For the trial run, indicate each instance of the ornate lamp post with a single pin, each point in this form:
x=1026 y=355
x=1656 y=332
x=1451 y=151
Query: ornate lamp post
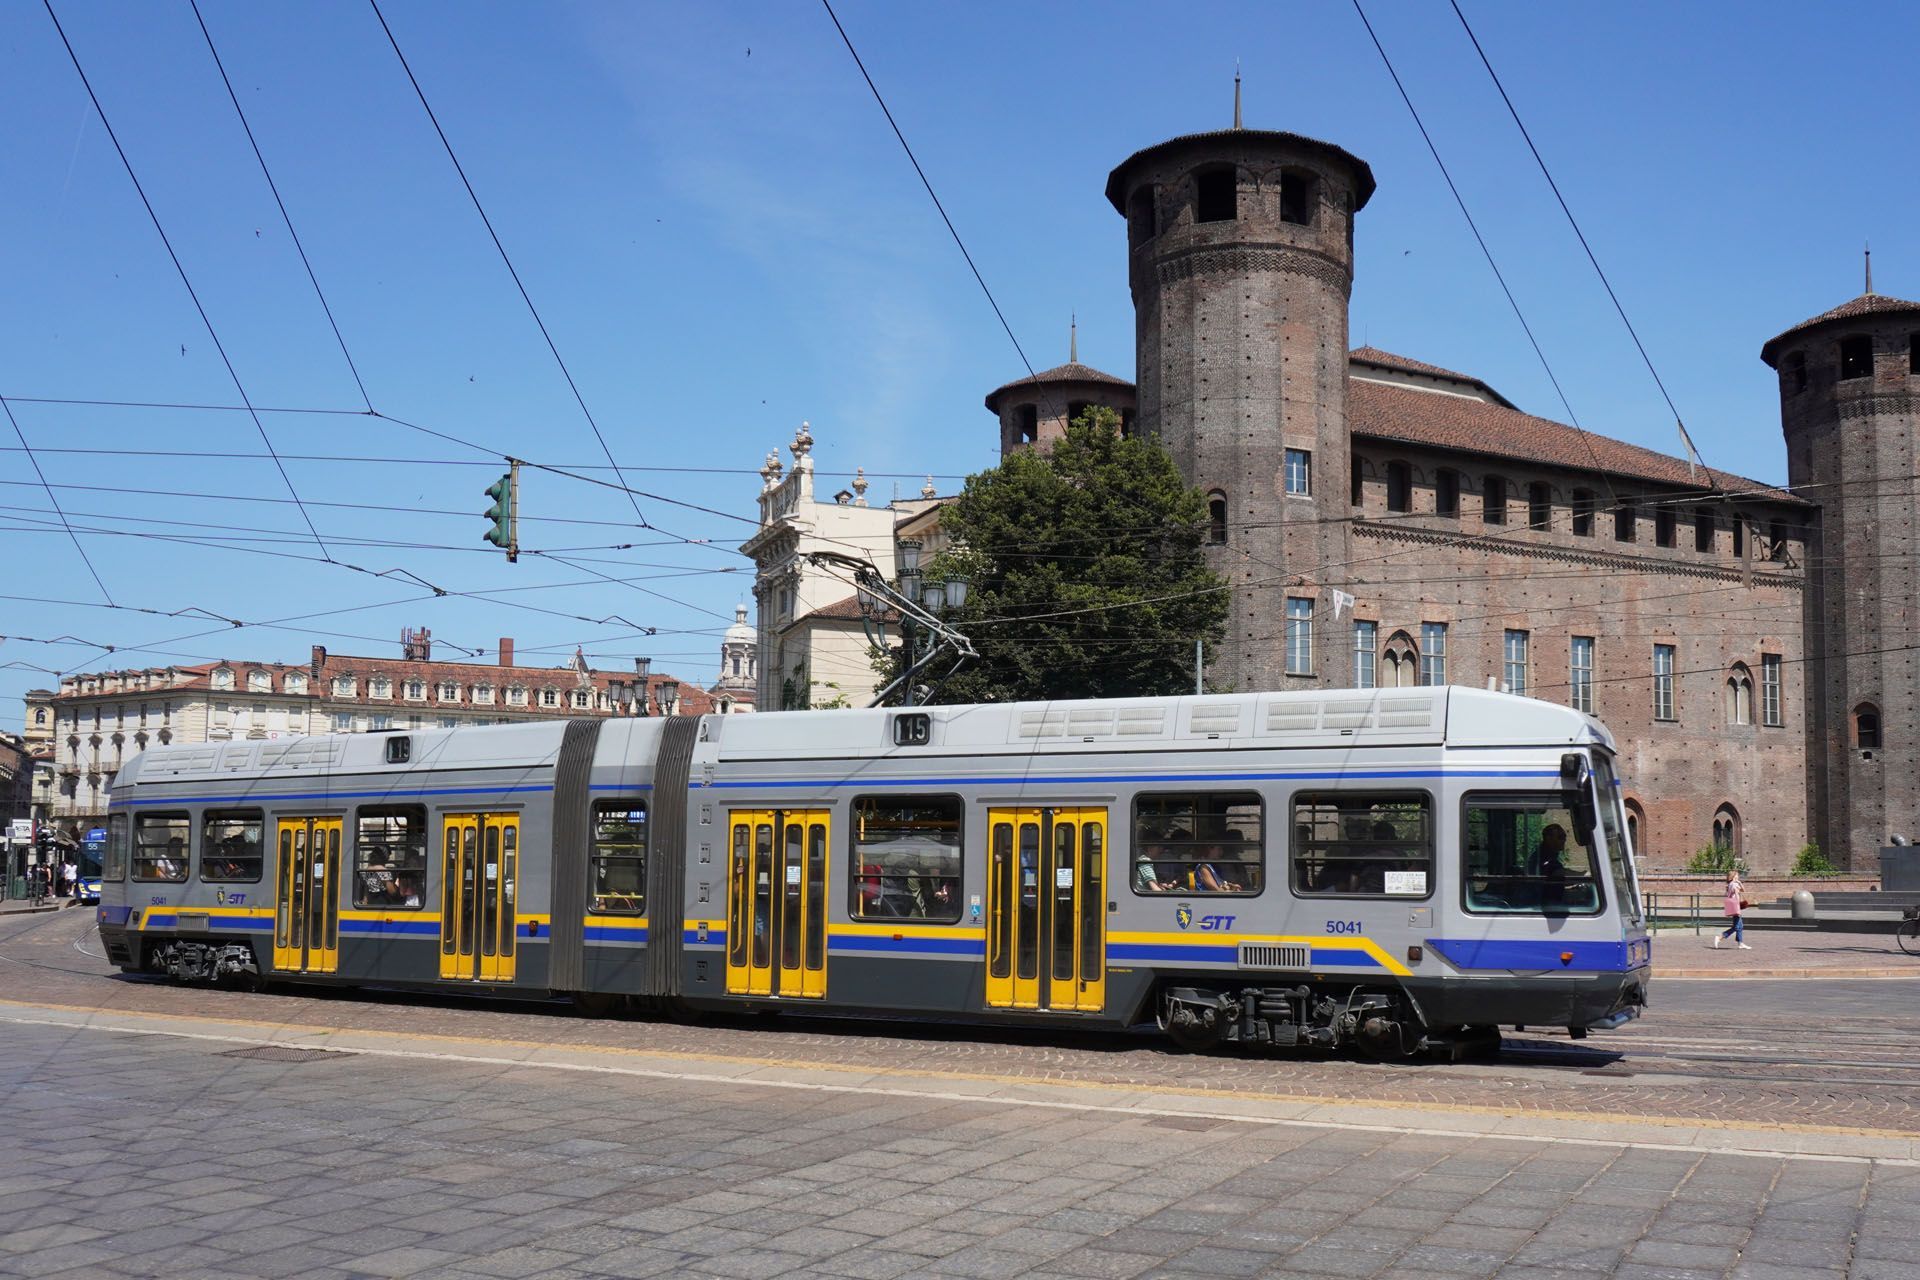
x=918 y=604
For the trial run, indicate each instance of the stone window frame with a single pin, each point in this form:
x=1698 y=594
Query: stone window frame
x=1866 y=727
x=1738 y=699
x=1666 y=706
x=1772 y=689
x=1727 y=828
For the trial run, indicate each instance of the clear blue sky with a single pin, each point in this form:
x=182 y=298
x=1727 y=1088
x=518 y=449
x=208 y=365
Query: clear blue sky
x=724 y=238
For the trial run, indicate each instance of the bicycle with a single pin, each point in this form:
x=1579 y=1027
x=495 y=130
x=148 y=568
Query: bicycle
x=1908 y=931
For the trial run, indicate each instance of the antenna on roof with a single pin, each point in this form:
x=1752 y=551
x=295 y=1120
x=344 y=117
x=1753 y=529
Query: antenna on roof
x=1073 y=338
x=1869 y=268
x=1236 y=93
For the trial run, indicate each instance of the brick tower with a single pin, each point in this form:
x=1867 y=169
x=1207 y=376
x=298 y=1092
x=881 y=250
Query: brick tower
x=1240 y=251
x=1849 y=387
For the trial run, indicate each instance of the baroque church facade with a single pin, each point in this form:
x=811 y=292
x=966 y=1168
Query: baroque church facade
x=1385 y=521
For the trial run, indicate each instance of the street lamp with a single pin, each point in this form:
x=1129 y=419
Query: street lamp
x=919 y=605
x=669 y=695
x=934 y=597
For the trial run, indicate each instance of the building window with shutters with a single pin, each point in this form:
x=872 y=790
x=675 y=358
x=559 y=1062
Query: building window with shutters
x=1365 y=643
x=1582 y=672
x=1299 y=636
x=1663 y=682
x=1433 y=653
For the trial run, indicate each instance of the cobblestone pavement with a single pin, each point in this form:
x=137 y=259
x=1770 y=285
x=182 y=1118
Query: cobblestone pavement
x=157 y=1155
x=1783 y=953
x=1778 y=1055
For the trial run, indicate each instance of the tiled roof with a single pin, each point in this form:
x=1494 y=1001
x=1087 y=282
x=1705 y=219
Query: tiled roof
x=1388 y=360
x=1116 y=188
x=1060 y=374
x=693 y=699
x=847 y=610
x=1408 y=414
x=1865 y=305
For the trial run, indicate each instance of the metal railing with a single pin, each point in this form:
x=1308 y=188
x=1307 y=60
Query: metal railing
x=1693 y=908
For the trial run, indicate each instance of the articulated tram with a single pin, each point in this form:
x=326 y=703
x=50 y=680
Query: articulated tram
x=1387 y=869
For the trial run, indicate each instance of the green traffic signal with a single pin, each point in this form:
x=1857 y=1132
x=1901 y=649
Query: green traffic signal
x=501 y=514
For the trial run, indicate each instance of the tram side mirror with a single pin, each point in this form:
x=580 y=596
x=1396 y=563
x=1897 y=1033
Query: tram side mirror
x=1576 y=783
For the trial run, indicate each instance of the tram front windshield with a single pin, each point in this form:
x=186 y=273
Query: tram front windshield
x=1614 y=829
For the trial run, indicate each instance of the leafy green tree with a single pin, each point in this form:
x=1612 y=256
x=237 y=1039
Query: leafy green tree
x=1087 y=571
x=1812 y=862
x=1716 y=859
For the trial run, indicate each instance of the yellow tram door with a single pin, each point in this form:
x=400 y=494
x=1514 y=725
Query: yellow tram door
x=306 y=914
x=479 y=884
x=803 y=904
x=1013 y=908
x=1077 y=923
x=1046 y=909
x=777 y=903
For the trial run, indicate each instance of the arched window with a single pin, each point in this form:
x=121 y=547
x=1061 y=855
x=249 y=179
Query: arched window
x=1636 y=823
x=1299 y=195
x=1217 y=518
x=1539 y=504
x=1493 y=500
x=1726 y=828
x=1216 y=195
x=1141 y=223
x=1076 y=409
x=1026 y=424
x=1400 y=665
x=39 y=715
x=1583 y=508
x=1739 y=697
x=1866 y=727
x=1856 y=357
x=1446 y=492
x=1399 y=487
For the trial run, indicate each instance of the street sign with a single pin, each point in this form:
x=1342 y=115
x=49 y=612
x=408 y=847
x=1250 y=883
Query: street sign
x=20 y=829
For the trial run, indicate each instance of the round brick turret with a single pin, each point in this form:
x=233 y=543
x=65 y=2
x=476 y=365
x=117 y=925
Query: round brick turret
x=1241 y=263
x=1849 y=391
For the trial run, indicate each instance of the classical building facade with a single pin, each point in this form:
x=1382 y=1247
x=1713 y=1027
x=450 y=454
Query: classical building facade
x=1388 y=521
x=85 y=731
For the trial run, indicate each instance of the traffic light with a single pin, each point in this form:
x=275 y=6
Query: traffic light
x=505 y=533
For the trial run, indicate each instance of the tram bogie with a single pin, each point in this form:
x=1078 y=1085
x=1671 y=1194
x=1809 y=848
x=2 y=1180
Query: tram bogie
x=1384 y=871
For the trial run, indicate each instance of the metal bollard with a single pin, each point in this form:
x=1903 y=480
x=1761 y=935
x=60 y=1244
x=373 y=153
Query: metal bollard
x=1803 y=905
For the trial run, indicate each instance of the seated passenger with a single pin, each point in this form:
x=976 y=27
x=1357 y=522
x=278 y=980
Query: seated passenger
x=1146 y=878
x=406 y=890
x=1209 y=876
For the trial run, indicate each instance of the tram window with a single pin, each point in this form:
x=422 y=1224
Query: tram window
x=1363 y=844
x=390 y=858
x=230 y=846
x=1207 y=843
x=906 y=858
x=160 y=846
x=619 y=860
x=117 y=832
x=1523 y=855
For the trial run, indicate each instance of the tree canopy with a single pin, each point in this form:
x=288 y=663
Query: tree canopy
x=1087 y=574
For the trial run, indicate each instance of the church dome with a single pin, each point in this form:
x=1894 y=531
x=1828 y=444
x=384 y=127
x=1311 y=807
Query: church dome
x=740 y=632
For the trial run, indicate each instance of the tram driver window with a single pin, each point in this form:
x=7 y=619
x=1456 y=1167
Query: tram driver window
x=1523 y=855
x=1206 y=843
x=160 y=846
x=619 y=862
x=390 y=858
x=230 y=845
x=117 y=844
x=1356 y=844
x=906 y=858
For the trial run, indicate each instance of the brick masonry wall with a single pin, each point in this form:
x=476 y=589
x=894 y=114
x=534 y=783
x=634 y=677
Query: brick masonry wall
x=1852 y=443
x=1552 y=584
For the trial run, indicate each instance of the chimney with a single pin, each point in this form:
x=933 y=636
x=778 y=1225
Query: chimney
x=319 y=656
x=506 y=651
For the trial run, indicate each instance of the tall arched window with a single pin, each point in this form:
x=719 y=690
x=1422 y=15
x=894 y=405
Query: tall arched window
x=1636 y=823
x=1216 y=195
x=1866 y=727
x=1726 y=828
x=1298 y=197
x=1739 y=697
x=1400 y=665
x=1217 y=518
x=1399 y=487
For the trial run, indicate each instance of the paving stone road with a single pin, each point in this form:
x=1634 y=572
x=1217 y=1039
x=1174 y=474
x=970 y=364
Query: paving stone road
x=157 y=1155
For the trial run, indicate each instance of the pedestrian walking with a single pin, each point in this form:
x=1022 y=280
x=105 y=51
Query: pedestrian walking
x=70 y=879
x=1736 y=904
